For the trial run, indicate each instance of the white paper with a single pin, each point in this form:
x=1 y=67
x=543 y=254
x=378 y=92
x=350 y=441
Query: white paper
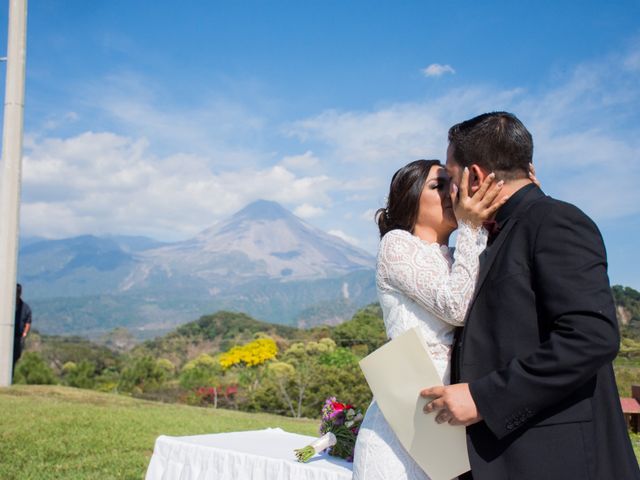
x=396 y=373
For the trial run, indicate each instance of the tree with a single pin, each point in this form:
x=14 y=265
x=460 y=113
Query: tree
x=247 y=363
x=366 y=328
x=308 y=373
x=627 y=302
x=81 y=375
x=142 y=374
x=167 y=367
x=251 y=354
x=200 y=372
x=32 y=370
x=346 y=383
x=283 y=374
x=340 y=357
x=298 y=370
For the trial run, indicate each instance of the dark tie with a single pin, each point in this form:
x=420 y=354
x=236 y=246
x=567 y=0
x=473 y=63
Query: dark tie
x=492 y=227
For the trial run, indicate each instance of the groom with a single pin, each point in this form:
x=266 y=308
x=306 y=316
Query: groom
x=535 y=386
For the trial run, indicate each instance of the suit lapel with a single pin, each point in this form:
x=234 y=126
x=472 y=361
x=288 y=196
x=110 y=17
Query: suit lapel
x=487 y=258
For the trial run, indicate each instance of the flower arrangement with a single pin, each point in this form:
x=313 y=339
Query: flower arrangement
x=339 y=428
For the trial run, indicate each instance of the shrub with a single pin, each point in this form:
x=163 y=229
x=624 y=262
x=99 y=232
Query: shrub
x=366 y=328
x=32 y=370
x=203 y=371
x=340 y=357
x=143 y=374
x=82 y=375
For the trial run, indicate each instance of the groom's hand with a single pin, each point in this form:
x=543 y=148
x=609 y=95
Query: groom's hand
x=454 y=404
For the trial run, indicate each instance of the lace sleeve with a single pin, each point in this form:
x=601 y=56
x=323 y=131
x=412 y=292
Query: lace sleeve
x=421 y=274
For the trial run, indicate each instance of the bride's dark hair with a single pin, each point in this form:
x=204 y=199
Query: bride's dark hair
x=403 y=201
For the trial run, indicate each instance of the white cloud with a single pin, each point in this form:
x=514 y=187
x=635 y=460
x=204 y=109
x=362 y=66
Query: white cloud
x=585 y=136
x=437 y=70
x=105 y=183
x=178 y=171
x=394 y=135
x=345 y=237
x=224 y=130
x=369 y=214
x=308 y=211
x=304 y=162
x=361 y=184
x=585 y=130
x=56 y=121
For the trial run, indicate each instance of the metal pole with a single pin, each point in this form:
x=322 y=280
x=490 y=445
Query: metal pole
x=11 y=176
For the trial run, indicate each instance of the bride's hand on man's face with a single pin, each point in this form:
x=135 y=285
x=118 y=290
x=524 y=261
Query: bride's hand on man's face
x=482 y=205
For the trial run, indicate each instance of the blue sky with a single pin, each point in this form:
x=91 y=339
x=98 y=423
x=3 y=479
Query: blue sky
x=161 y=118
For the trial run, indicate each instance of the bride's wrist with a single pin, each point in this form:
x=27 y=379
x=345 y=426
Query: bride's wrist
x=471 y=225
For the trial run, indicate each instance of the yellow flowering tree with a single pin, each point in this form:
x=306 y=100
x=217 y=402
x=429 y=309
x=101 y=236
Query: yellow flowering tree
x=252 y=354
x=250 y=358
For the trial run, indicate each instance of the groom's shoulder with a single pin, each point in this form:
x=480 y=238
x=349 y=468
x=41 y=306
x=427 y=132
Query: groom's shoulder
x=551 y=210
x=559 y=207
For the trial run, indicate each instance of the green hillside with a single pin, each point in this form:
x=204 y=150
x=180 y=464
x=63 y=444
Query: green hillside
x=628 y=309
x=222 y=330
x=305 y=367
x=212 y=334
x=66 y=433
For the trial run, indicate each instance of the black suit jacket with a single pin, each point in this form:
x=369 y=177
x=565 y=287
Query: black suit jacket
x=536 y=350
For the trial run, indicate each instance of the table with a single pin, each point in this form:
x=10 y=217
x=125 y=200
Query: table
x=253 y=455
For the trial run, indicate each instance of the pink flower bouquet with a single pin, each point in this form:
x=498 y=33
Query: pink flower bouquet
x=339 y=429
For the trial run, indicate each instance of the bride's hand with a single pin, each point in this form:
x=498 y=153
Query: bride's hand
x=482 y=205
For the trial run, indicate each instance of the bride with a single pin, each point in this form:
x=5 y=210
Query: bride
x=421 y=282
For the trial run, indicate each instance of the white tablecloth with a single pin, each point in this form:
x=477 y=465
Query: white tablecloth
x=254 y=455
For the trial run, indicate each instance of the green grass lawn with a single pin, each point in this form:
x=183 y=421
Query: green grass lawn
x=635 y=441
x=66 y=433
x=627 y=374
x=59 y=432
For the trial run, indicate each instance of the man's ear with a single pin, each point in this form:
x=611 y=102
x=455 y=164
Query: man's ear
x=476 y=177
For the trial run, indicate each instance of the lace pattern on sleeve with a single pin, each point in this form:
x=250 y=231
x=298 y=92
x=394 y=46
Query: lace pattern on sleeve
x=421 y=271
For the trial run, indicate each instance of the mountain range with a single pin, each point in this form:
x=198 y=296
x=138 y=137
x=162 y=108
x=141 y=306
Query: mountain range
x=263 y=261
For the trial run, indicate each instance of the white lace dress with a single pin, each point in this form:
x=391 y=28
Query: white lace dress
x=419 y=284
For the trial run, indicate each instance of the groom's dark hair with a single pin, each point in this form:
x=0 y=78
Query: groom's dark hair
x=497 y=141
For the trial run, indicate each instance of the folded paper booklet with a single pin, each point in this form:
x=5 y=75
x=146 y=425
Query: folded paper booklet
x=396 y=373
